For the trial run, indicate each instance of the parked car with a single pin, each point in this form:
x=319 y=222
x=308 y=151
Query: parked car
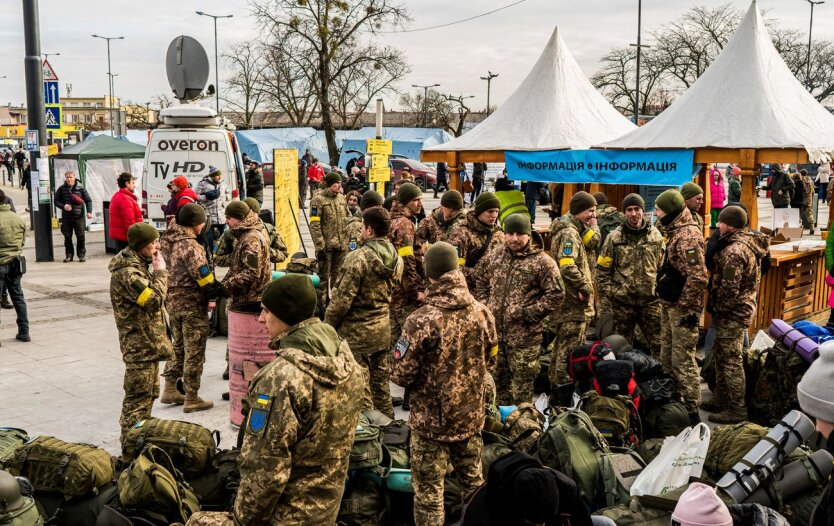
x=269 y=172
x=425 y=176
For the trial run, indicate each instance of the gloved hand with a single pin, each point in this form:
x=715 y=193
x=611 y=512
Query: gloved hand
x=690 y=321
x=211 y=195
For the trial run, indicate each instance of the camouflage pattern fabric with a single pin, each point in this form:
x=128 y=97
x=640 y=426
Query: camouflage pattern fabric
x=277 y=248
x=441 y=358
x=685 y=251
x=469 y=236
x=677 y=354
x=735 y=282
x=189 y=273
x=647 y=317
x=698 y=219
x=211 y=518
x=249 y=271
x=728 y=348
x=359 y=306
x=569 y=335
x=298 y=434
x=569 y=237
x=190 y=331
x=141 y=386
x=401 y=236
x=329 y=264
x=222 y=256
x=430 y=461
x=327 y=216
x=515 y=372
x=434 y=228
x=353 y=231
x=376 y=370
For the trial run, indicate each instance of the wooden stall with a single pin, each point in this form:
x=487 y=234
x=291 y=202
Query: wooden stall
x=794 y=288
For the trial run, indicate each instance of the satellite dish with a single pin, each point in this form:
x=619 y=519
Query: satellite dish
x=187 y=66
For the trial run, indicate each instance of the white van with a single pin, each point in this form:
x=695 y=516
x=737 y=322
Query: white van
x=188 y=140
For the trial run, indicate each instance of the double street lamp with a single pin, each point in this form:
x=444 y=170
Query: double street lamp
x=109 y=76
x=488 y=78
x=216 y=70
x=810 y=29
x=425 y=101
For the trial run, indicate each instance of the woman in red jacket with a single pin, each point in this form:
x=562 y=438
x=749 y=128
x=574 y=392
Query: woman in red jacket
x=124 y=210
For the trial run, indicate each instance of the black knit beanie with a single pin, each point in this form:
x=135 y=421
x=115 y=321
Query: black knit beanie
x=291 y=298
x=191 y=215
x=452 y=199
x=580 y=202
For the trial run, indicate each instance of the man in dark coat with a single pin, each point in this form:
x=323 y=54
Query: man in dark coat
x=71 y=198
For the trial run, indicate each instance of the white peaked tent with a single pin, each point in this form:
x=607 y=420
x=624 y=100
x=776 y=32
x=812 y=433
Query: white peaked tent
x=554 y=108
x=747 y=98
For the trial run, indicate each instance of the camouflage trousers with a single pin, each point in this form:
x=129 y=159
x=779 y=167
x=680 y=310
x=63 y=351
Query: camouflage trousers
x=647 y=317
x=376 y=369
x=677 y=355
x=329 y=263
x=515 y=372
x=211 y=518
x=398 y=314
x=190 y=331
x=806 y=214
x=569 y=335
x=430 y=460
x=729 y=371
x=141 y=385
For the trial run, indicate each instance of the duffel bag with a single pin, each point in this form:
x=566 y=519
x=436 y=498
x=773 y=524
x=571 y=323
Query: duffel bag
x=364 y=502
x=584 y=359
x=10 y=440
x=666 y=420
x=367 y=445
x=728 y=444
x=217 y=488
x=190 y=446
x=68 y=468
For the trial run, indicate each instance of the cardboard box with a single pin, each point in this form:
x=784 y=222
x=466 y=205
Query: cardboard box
x=787 y=234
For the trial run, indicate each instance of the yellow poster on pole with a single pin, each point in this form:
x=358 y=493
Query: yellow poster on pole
x=285 y=165
x=382 y=146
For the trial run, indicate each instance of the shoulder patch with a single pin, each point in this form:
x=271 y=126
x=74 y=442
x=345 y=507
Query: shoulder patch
x=691 y=256
x=205 y=270
x=252 y=260
x=314 y=212
x=730 y=273
x=400 y=349
x=568 y=248
x=137 y=286
x=259 y=414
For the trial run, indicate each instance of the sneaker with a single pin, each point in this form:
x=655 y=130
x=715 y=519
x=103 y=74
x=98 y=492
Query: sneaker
x=23 y=337
x=730 y=416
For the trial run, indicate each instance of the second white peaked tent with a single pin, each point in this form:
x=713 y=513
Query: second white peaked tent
x=554 y=108
x=747 y=98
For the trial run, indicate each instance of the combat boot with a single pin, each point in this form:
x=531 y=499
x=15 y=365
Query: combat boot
x=713 y=405
x=732 y=415
x=194 y=403
x=170 y=395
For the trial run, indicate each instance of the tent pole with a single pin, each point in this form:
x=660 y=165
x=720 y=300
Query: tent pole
x=749 y=168
x=454 y=172
x=703 y=182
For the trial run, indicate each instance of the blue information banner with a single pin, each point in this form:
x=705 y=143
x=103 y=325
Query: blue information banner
x=643 y=167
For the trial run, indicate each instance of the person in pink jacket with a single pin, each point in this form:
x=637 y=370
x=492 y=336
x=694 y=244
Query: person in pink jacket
x=124 y=209
x=717 y=195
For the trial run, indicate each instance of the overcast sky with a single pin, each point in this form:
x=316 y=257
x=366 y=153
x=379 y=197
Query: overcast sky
x=507 y=43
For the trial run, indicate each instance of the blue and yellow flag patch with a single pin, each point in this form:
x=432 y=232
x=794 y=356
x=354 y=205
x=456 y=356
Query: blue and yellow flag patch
x=259 y=414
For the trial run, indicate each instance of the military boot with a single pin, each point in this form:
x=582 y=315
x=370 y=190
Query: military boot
x=732 y=415
x=194 y=403
x=170 y=395
x=713 y=405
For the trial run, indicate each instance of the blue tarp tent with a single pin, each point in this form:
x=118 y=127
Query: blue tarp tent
x=407 y=141
x=258 y=144
x=139 y=137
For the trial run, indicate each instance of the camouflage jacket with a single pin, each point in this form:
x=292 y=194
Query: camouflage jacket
x=304 y=407
x=699 y=220
x=627 y=264
x=521 y=290
x=249 y=271
x=441 y=358
x=327 y=216
x=138 y=298
x=735 y=283
x=188 y=270
x=359 y=303
x=567 y=246
x=469 y=236
x=353 y=231
x=402 y=237
x=434 y=228
x=225 y=246
x=686 y=252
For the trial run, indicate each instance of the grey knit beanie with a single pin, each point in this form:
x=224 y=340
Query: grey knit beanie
x=816 y=390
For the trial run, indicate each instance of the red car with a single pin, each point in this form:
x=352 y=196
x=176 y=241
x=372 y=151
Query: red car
x=425 y=176
x=269 y=172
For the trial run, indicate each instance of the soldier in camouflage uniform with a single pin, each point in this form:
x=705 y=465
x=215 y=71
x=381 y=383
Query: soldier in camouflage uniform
x=477 y=235
x=693 y=195
x=138 y=298
x=570 y=233
x=732 y=302
x=440 y=222
x=277 y=248
x=522 y=285
x=328 y=210
x=442 y=358
x=303 y=410
x=353 y=223
x=681 y=282
x=249 y=271
x=627 y=271
x=359 y=307
x=190 y=284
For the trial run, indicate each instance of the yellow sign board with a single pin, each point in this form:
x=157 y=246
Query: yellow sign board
x=285 y=165
x=52 y=149
x=380 y=146
x=379 y=174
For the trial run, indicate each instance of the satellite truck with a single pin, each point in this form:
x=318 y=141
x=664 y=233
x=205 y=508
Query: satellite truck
x=189 y=138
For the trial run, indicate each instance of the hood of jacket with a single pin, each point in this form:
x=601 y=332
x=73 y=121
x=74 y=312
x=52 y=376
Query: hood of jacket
x=178 y=233
x=128 y=258
x=437 y=213
x=476 y=225
x=385 y=262
x=449 y=292
x=683 y=219
x=754 y=243
x=636 y=232
x=535 y=246
x=250 y=222
x=757 y=515
x=566 y=221
x=314 y=348
x=398 y=210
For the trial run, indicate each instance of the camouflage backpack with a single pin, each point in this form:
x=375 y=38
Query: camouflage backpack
x=772 y=376
x=191 y=447
x=523 y=426
x=10 y=440
x=367 y=445
x=71 y=469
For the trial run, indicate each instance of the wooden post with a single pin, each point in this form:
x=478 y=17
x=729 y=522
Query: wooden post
x=567 y=193
x=703 y=182
x=749 y=169
x=454 y=173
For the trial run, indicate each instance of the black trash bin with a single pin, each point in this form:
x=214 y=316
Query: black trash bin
x=110 y=244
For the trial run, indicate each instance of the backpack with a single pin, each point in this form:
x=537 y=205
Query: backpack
x=584 y=358
x=666 y=420
x=571 y=444
x=190 y=446
x=523 y=426
x=649 y=449
x=364 y=502
x=26 y=515
x=772 y=376
x=217 y=488
x=10 y=440
x=152 y=486
x=67 y=468
x=614 y=378
x=78 y=510
x=613 y=417
x=495 y=447
x=645 y=367
x=609 y=223
x=367 y=445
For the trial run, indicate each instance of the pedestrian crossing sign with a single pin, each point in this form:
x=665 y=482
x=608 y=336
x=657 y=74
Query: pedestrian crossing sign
x=53 y=116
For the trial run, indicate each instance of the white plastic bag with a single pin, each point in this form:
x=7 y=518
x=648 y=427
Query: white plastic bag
x=762 y=341
x=680 y=457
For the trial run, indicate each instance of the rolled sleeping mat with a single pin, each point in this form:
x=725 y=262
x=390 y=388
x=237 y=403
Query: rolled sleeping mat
x=766 y=456
x=313 y=277
x=506 y=410
x=797 y=478
x=795 y=340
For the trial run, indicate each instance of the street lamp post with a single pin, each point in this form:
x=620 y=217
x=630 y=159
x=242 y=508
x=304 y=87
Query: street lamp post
x=639 y=47
x=425 y=101
x=488 y=78
x=810 y=29
x=109 y=77
x=47 y=55
x=216 y=70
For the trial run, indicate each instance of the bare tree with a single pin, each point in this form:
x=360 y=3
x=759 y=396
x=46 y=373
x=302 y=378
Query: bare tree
x=440 y=111
x=137 y=116
x=330 y=33
x=162 y=101
x=616 y=79
x=288 y=78
x=244 y=92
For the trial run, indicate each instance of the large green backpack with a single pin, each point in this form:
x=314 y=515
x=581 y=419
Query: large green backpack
x=10 y=440
x=571 y=444
x=26 y=515
x=71 y=469
x=666 y=420
x=153 y=487
x=367 y=445
x=772 y=376
x=728 y=444
x=190 y=446
x=612 y=417
x=364 y=503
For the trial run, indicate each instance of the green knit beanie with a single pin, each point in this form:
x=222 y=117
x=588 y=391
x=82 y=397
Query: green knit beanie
x=253 y=205
x=452 y=199
x=634 y=200
x=291 y=298
x=408 y=192
x=690 y=190
x=486 y=201
x=140 y=235
x=518 y=223
x=331 y=179
x=191 y=215
x=733 y=216
x=440 y=258
x=238 y=210
x=670 y=201
x=580 y=202
x=369 y=199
